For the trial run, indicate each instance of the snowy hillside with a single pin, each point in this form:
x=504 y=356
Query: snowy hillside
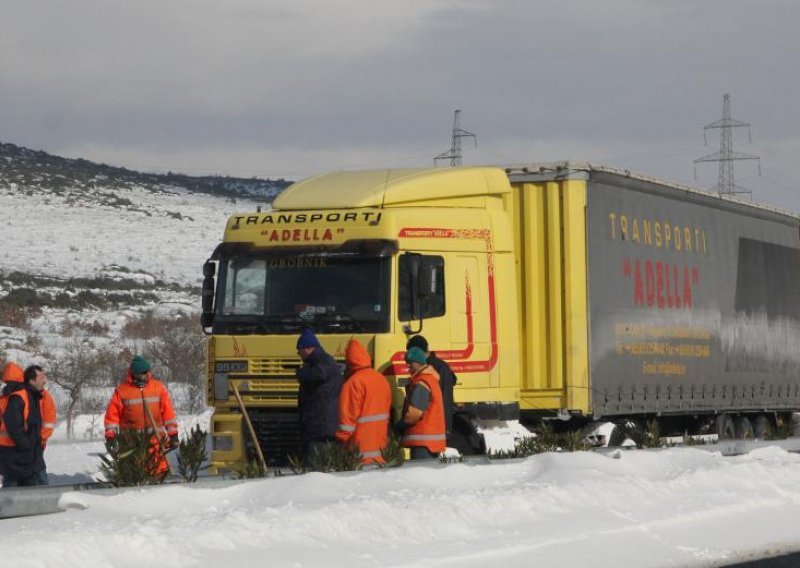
x=36 y=171
x=99 y=262
x=166 y=234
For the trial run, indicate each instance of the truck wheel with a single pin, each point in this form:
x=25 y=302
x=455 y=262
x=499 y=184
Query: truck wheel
x=743 y=428
x=762 y=427
x=725 y=427
x=464 y=437
x=617 y=436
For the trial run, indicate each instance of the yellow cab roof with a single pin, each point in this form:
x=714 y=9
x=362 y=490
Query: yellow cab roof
x=387 y=188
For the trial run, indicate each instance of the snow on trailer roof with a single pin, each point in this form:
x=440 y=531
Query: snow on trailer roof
x=581 y=169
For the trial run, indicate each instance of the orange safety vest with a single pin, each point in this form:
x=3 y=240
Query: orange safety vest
x=429 y=431
x=364 y=405
x=12 y=373
x=48 y=406
x=5 y=438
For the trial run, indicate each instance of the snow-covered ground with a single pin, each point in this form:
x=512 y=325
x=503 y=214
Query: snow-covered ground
x=676 y=507
x=168 y=235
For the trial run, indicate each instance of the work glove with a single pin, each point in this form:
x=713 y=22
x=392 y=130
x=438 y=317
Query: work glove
x=174 y=442
x=111 y=445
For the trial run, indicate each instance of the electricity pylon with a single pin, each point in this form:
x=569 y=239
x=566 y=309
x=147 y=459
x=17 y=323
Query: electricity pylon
x=454 y=154
x=726 y=156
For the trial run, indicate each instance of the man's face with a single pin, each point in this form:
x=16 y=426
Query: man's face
x=39 y=382
x=305 y=352
x=413 y=366
x=139 y=378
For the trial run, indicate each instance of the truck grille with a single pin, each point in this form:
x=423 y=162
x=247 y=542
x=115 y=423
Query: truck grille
x=274 y=367
x=272 y=389
x=277 y=433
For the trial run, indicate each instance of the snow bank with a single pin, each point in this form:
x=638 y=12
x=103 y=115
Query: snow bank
x=678 y=507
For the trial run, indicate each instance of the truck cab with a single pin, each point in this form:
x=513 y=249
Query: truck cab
x=376 y=255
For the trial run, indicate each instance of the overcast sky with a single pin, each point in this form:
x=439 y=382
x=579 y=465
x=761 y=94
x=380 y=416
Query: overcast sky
x=290 y=88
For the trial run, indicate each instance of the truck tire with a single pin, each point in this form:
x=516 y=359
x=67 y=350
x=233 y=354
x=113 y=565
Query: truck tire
x=762 y=427
x=725 y=427
x=464 y=437
x=743 y=428
x=617 y=436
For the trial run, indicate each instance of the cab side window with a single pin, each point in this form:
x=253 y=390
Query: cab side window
x=421 y=286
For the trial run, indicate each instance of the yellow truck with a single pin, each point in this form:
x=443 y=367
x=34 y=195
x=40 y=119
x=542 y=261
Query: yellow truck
x=566 y=290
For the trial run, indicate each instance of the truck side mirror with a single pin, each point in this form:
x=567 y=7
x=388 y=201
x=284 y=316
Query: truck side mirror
x=413 y=263
x=207 y=297
x=427 y=281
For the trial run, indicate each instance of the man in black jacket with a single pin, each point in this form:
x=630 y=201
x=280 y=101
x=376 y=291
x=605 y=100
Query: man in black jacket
x=447 y=379
x=21 y=451
x=320 y=378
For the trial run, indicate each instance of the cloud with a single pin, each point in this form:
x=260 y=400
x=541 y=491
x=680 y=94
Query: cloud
x=222 y=85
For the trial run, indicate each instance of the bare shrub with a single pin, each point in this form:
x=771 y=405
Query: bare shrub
x=79 y=370
x=147 y=326
x=97 y=328
x=15 y=316
x=32 y=342
x=177 y=350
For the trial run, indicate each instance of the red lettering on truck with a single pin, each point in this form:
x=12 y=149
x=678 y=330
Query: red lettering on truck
x=661 y=284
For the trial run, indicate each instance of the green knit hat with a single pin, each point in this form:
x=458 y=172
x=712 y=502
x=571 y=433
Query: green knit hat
x=139 y=365
x=416 y=355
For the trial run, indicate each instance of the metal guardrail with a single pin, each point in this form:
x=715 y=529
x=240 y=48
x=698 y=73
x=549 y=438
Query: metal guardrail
x=46 y=499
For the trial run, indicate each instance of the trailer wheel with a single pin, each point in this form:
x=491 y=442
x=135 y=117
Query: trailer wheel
x=762 y=427
x=725 y=427
x=743 y=427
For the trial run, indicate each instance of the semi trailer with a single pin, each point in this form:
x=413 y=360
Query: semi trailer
x=567 y=292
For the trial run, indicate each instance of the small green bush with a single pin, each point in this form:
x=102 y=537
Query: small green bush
x=132 y=462
x=192 y=455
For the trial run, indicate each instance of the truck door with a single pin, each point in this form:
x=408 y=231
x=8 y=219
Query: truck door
x=469 y=321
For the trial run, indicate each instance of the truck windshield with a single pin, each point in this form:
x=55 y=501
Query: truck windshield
x=283 y=294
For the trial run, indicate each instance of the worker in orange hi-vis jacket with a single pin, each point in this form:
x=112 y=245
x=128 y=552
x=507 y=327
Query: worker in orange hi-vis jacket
x=128 y=407
x=422 y=425
x=364 y=405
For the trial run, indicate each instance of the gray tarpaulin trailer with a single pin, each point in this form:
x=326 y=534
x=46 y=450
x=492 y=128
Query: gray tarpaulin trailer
x=692 y=300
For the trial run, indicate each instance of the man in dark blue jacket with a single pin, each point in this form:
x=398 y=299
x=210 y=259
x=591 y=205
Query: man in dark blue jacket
x=320 y=379
x=21 y=451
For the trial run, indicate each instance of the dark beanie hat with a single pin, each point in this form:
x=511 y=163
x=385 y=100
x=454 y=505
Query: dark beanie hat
x=416 y=355
x=307 y=339
x=139 y=365
x=417 y=341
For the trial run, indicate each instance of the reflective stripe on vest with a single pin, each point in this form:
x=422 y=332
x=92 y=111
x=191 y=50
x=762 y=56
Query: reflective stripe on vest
x=373 y=418
x=347 y=427
x=132 y=401
x=424 y=437
x=374 y=454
